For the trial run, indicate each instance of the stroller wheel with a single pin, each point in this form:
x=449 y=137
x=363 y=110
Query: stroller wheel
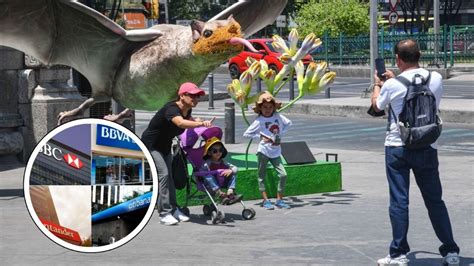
x=214 y=217
x=248 y=214
x=185 y=211
x=207 y=210
x=221 y=216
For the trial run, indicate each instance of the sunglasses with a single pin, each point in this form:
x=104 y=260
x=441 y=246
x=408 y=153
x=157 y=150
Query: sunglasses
x=215 y=150
x=193 y=96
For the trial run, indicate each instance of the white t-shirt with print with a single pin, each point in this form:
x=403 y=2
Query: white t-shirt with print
x=393 y=92
x=274 y=126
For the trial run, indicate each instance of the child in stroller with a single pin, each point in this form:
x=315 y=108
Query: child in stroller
x=214 y=154
x=201 y=172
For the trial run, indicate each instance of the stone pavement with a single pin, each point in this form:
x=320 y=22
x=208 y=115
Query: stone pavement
x=350 y=227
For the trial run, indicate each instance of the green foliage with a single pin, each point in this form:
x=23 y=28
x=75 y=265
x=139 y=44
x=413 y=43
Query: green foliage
x=184 y=9
x=197 y=9
x=347 y=16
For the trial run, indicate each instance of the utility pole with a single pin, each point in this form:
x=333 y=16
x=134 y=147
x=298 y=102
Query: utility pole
x=374 y=49
x=436 y=30
x=373 y=44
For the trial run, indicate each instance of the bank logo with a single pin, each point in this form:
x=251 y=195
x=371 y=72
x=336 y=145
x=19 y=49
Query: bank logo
x=73 y=161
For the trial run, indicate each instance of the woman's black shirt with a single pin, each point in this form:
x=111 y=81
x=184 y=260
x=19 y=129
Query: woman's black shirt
x=161 y=131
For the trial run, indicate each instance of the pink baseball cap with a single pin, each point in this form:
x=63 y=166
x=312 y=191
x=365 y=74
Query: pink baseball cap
x=190 y=88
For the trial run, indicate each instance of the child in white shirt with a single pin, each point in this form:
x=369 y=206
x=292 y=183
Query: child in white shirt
x=268 y=127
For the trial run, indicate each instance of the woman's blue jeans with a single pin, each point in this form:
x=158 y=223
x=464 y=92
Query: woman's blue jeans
x=424 y=164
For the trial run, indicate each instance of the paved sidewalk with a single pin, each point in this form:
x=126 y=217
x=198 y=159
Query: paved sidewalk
x=452 y=110
x=339 y=228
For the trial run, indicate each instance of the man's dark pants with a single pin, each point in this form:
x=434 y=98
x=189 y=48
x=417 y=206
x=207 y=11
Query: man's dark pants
x=424 y=163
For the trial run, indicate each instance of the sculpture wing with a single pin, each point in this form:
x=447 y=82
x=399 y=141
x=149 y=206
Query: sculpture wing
x=253 y=15
x=68 y=33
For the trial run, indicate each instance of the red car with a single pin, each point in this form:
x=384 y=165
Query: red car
x=267 y=52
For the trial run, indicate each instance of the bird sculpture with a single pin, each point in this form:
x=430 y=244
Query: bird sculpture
x=140 y=69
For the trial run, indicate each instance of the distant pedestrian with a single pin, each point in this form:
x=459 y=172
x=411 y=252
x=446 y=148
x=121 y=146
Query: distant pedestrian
x=269 y=127
x=171 y=121
x=110 y=176
x=399 y=159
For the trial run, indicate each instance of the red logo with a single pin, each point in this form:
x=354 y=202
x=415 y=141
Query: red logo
x=64 y=233
x=73 y=161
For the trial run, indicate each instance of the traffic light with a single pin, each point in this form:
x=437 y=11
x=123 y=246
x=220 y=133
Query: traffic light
x=155 y=9
x=151 y=8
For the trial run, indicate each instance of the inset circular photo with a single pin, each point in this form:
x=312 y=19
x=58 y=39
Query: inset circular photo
x=90 y=185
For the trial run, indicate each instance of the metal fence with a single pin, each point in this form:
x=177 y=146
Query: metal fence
x=455 y=45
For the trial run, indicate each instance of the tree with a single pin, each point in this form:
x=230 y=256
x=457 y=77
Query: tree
x=347 y=16
x=198 y=9
x=413 y=8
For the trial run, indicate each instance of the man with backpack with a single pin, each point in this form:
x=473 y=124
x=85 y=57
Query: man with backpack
x=413 y=98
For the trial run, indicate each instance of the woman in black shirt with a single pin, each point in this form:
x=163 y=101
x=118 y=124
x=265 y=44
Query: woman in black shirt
x=171 y=121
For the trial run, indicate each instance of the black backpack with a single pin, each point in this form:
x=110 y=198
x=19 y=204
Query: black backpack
x=418 y=123
x=179 y=167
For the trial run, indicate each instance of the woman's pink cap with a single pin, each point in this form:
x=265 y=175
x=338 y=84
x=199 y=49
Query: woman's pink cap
x=190 y=88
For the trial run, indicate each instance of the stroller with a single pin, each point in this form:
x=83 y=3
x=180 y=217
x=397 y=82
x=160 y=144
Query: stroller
x=194 y=155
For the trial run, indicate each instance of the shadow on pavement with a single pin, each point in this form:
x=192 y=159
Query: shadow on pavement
x=230 y=218
x=297 y=202
x=11 y=193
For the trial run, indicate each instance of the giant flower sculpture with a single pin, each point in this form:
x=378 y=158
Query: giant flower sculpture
x=310 y=81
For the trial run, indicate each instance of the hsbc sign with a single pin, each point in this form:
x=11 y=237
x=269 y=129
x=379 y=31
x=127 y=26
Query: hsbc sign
x=57 y=154
x=73 y=161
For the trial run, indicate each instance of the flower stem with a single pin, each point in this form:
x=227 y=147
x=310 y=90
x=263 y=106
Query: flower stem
x=283 y=84
x=244 y=116
x=250 y=142
x=247 y=155
x=290 y=103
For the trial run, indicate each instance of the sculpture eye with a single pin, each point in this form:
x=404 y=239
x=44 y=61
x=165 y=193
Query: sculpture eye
x=207 y=33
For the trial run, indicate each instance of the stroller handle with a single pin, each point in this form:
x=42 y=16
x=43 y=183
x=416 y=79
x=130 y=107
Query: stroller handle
x=191 y=135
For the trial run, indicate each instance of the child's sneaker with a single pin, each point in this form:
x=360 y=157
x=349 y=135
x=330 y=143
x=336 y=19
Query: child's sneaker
x=451 y=259
x=234 y=198
x=387 y=261
x=281 y=204
x=224 y=199
x=267 y=204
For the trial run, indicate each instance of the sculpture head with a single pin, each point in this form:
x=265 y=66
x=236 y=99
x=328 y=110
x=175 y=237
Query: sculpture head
x=219 y=37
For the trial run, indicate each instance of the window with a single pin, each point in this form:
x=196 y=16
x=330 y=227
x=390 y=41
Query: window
x=117 y=170
x=148 y=176
x=131 y=171
x=106 y=169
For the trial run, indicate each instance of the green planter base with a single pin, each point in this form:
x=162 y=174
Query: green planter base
x=302 y=179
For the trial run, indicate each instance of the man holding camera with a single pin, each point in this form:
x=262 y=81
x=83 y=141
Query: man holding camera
x=399 y=158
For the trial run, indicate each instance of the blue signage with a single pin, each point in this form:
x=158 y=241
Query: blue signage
x=140 y=202
x=112 y=137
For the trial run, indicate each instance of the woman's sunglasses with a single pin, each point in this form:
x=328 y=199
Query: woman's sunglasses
x=193 y=95
x=215 y=150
